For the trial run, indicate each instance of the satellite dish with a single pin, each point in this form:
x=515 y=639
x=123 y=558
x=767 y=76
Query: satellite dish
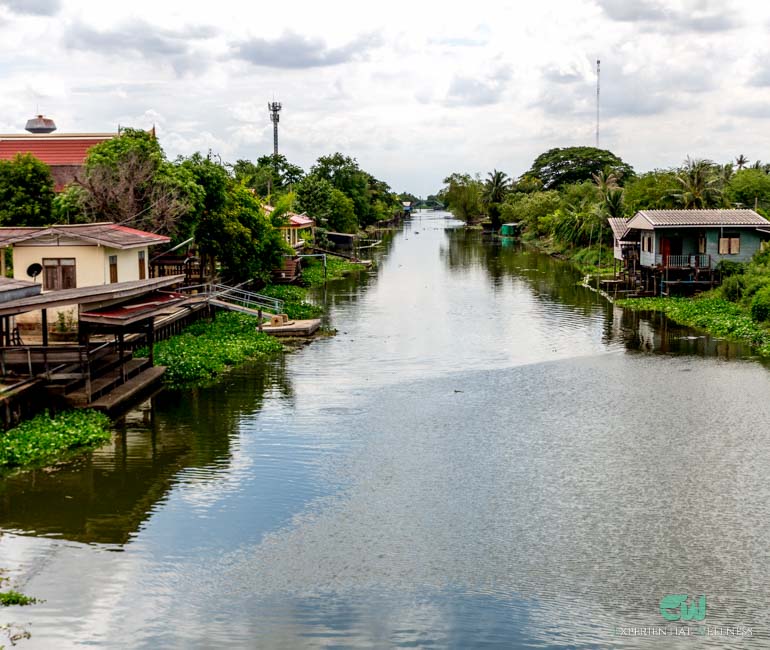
x=33 y=270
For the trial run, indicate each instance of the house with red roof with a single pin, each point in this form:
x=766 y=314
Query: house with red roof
x=64 y=153
x=292 y=226
x=78 y=255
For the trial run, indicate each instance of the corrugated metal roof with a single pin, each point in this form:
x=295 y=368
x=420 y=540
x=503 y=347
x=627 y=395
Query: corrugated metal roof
x=297 y=220
x=664 y=218
x=619 y=227
x=52 y=149
x=103 y=234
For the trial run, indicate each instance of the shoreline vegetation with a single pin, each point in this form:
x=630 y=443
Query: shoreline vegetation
x=206 y=349
x=44 y=439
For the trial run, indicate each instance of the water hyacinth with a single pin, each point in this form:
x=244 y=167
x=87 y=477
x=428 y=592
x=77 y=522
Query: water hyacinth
x=205 y=349
x=713 y=315
x=44 y=438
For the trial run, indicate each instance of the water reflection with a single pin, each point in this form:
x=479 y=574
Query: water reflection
x=105 y=496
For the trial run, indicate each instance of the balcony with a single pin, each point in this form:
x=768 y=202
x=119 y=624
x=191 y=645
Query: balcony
x=692 y=261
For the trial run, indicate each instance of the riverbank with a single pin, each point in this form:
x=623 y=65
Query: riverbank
x=588 y=259
x=44 y=439
x=710 y=314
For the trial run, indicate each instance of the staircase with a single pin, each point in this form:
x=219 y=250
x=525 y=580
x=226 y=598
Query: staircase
x=236 y=299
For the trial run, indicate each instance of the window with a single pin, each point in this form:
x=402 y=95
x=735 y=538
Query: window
x=113 y=268
x=647 y=243
x=730 y=244
x=142 y=266
x=58 y=273
x=702 y=243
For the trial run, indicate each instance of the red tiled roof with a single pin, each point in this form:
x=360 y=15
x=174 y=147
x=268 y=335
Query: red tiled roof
x=295 y=220
x=52 y=150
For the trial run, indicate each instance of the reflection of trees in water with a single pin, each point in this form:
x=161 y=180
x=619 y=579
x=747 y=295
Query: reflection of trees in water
x=105 y=496
x=503 y=259
x=552 y=280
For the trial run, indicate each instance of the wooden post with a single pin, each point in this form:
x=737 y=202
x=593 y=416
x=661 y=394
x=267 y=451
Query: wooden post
x=44 y=324
x=151 y=340
x=120 y=358
x=7 y=320
x=259 y=319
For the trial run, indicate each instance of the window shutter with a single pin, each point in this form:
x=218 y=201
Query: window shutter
x=735 y=245
x=724 y=246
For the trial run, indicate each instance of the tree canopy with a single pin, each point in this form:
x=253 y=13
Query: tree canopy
x=561 y=166
x=26 y=192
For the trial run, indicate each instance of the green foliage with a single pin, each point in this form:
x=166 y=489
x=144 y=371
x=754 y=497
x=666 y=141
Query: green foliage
x=341 y=213
x=733 y=287
x=749 y=188
x=128 y=180
x=214 y=183
x=26 y=192
x=206 y=349
x=711 y=314
x=68 y=206
x=295 y=306
x=11 y=597
x=760 y=305
x=728 y=267
x=651 y=191
x=241 y=236
x=700 y=185
x=531 y=210
x=313 y=270
x=462 y=194
x=43 y=438
x=561 y=166
x=272 y=176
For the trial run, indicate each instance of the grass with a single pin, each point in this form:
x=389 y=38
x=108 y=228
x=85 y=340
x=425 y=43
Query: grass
x=336 y=268
x=44 y=438
x=709 y=313
x=207 y=348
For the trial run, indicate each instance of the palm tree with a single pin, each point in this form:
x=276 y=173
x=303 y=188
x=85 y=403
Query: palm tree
x=496 y=187
x=741 y=161
x=700 y=185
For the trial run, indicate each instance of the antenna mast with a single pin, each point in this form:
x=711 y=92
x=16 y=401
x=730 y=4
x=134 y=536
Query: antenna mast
x=598 y=78
x=274 y=108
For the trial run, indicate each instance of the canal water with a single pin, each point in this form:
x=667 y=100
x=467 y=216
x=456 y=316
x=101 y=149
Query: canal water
x=485 y=455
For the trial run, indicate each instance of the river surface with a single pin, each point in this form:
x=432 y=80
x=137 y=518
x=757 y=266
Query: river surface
x=485 y=455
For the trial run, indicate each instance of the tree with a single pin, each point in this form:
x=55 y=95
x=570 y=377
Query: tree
x=749 y=188
x=610 y=193
x=496 y=187
x=128 y=180
x=654 y=190
x=561 y=166
x=700 y=185
x=741 y=161
x=325 y=203
x=462 y=194
x=26 y=191
x=214 y=184
x=272 y=175
x=241 y=237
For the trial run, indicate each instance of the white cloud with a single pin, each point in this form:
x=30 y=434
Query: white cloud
x=413 y=90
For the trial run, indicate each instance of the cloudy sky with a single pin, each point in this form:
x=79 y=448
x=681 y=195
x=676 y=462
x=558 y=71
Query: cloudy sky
x=413 y=90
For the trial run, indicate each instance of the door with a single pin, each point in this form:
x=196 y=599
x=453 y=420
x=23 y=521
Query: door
x=665 y=249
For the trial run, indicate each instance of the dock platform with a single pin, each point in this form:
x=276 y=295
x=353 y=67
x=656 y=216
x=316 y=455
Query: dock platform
x=293 y=328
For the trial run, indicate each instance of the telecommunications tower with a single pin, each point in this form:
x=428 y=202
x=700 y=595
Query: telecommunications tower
x=598 y=76
x=275 y=109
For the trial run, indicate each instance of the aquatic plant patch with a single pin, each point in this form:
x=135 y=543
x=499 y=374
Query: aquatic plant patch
x=44 y=438
x=714 y=315
x=313 y=270
x=295 y=306
x=205 y=349
x=11 y=597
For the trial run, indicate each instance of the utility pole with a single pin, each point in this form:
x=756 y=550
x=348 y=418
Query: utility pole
x=275 y=109
x=598 y=78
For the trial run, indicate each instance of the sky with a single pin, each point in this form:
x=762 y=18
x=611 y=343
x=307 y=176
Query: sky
x=413 y=90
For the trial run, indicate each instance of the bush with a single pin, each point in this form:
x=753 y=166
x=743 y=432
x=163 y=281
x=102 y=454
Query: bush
x=295 y=306
x=733 y=287
x=729 y=268
x=760 y=305
x=8 y=598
